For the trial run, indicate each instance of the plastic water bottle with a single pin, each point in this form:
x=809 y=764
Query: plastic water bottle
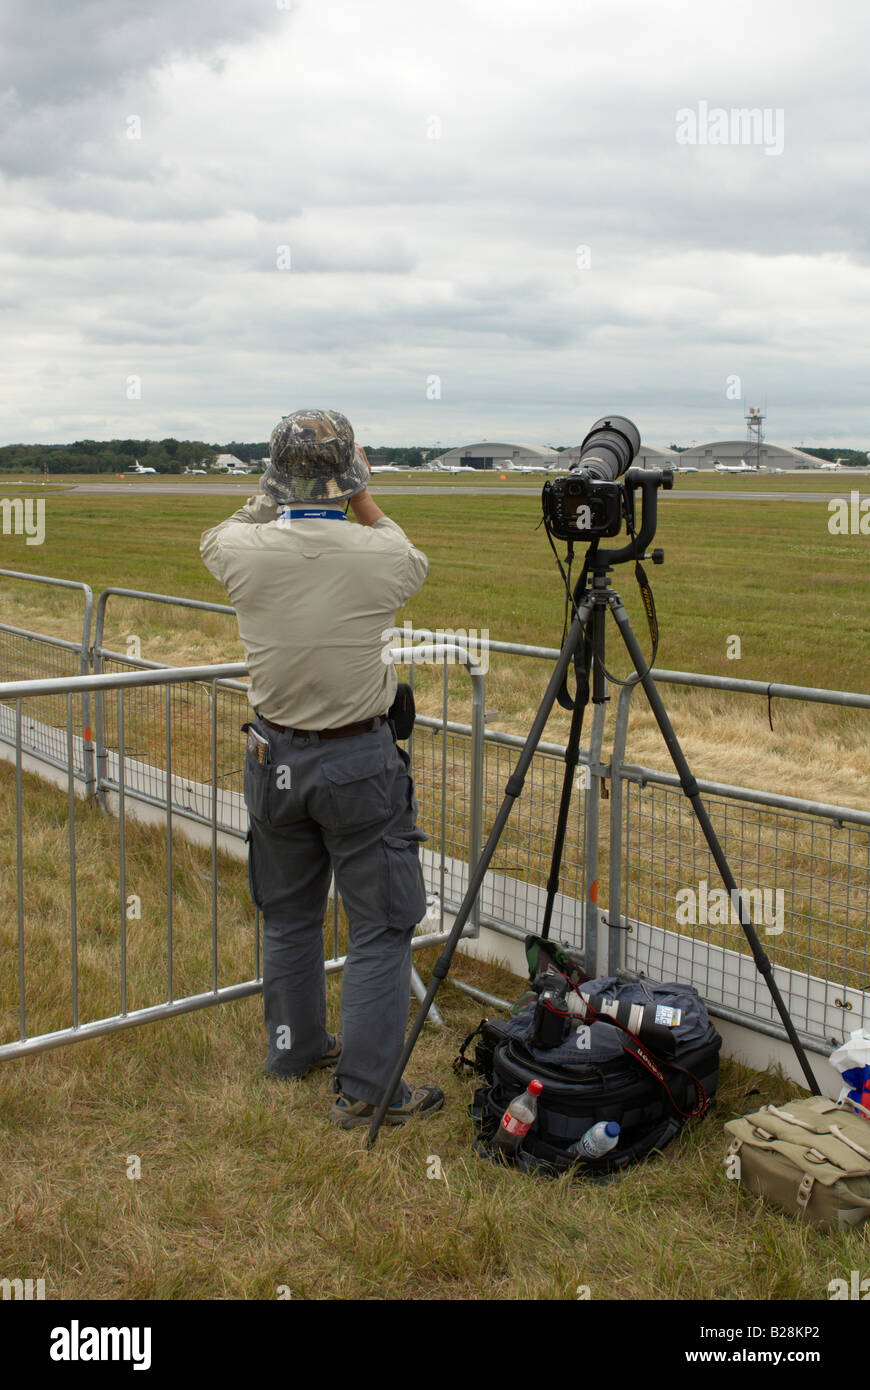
x=518 y=1119
x=597 y=1141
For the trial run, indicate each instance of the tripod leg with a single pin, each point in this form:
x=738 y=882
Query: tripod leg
x=571 y=759
x=512 y=790
x=419 y=989
x=690 y=787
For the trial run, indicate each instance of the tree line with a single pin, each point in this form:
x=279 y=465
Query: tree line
x=164 y=455
x=108 y=456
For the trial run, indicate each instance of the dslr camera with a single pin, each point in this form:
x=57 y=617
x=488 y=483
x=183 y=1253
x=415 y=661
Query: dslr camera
x=589 y=502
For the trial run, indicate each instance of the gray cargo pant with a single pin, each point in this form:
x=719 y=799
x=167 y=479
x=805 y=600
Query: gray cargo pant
x=345 y=805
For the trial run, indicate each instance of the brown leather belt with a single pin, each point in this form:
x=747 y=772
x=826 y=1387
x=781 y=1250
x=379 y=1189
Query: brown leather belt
x=344 y=732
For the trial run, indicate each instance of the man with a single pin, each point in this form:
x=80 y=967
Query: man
x=326 y=787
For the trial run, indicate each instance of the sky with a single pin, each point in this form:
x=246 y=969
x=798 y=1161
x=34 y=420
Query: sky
x=456 y=221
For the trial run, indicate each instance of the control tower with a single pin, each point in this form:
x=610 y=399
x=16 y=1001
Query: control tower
x=754 y=433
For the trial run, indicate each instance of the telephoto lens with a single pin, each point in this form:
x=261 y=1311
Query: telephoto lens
x=609 y=448
x=653 y=1024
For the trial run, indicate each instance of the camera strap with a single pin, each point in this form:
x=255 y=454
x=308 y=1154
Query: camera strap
x=634 y=1048
x=562 y=695
x=646 y=594
x=461 y=1063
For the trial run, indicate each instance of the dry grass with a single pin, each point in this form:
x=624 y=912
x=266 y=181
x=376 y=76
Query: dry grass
x=246 y=1188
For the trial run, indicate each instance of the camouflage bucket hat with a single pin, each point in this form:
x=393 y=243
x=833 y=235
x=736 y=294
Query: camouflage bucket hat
x=314 y=459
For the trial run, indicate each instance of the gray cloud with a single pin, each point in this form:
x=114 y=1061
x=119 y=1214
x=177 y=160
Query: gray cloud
x=413 y=256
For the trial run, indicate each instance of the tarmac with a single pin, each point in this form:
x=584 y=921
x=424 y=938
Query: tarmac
x=245 y=489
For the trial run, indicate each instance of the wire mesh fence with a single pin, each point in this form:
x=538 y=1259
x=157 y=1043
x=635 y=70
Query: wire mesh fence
x=803 y=867
x=802 y=870
x=26 y=656
x=805 y=879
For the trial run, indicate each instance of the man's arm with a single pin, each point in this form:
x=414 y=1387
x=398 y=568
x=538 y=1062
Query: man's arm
x=257 y=511
x=368 y=513
x=365 y=508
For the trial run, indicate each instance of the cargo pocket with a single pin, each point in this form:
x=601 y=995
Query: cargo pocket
x=405 y=887
x=358 y=790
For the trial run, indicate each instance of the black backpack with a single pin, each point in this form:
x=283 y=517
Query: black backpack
x=614 y=1077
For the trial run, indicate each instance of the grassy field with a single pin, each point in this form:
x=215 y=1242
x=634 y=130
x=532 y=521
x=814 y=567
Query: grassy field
x=768 y=573
x=245 y=1186
x=799 y=480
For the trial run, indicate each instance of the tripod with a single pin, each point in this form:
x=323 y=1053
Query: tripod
x=584 y=647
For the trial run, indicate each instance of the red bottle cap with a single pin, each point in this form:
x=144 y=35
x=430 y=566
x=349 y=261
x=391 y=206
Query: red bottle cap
x=536 y=1087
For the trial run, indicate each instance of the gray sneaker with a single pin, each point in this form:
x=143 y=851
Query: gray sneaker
x=422 y=1101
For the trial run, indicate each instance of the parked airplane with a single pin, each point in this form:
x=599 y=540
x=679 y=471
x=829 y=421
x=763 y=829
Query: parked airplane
x=741 y=467
x=140 y=469
x=835 y=466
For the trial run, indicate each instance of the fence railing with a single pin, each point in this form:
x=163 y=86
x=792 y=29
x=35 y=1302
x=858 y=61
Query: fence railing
x=803 y=863
x=77 y=945
x=52 y=651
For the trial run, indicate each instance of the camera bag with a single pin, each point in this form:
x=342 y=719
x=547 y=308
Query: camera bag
x=611 y=1077
x=810 y=1157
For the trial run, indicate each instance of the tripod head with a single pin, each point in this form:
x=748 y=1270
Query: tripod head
x=647 y=482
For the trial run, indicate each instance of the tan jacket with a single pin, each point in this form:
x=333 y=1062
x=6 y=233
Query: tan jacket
x=314 y=598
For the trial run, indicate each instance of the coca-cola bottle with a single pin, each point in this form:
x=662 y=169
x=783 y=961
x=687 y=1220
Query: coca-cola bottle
x=518 y=1119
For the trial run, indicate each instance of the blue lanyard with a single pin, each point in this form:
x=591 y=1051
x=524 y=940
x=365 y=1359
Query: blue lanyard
x=295 y=513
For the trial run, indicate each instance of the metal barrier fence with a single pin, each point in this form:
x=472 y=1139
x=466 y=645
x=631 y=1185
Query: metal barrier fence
x=151 y=746
x=803 y=866
x=85 y=953
x=664 y=919
x=22 y=650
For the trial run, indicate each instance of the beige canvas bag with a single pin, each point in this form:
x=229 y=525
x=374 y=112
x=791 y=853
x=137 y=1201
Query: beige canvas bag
x=810 y=1157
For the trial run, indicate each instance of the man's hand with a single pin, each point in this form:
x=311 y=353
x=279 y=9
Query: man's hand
x=365 y=509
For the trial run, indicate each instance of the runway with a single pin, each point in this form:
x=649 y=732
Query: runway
x=245 y=489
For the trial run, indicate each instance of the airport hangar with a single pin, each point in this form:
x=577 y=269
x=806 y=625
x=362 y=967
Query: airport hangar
x=500 y=457
x=731 y=451
x=488 y=455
